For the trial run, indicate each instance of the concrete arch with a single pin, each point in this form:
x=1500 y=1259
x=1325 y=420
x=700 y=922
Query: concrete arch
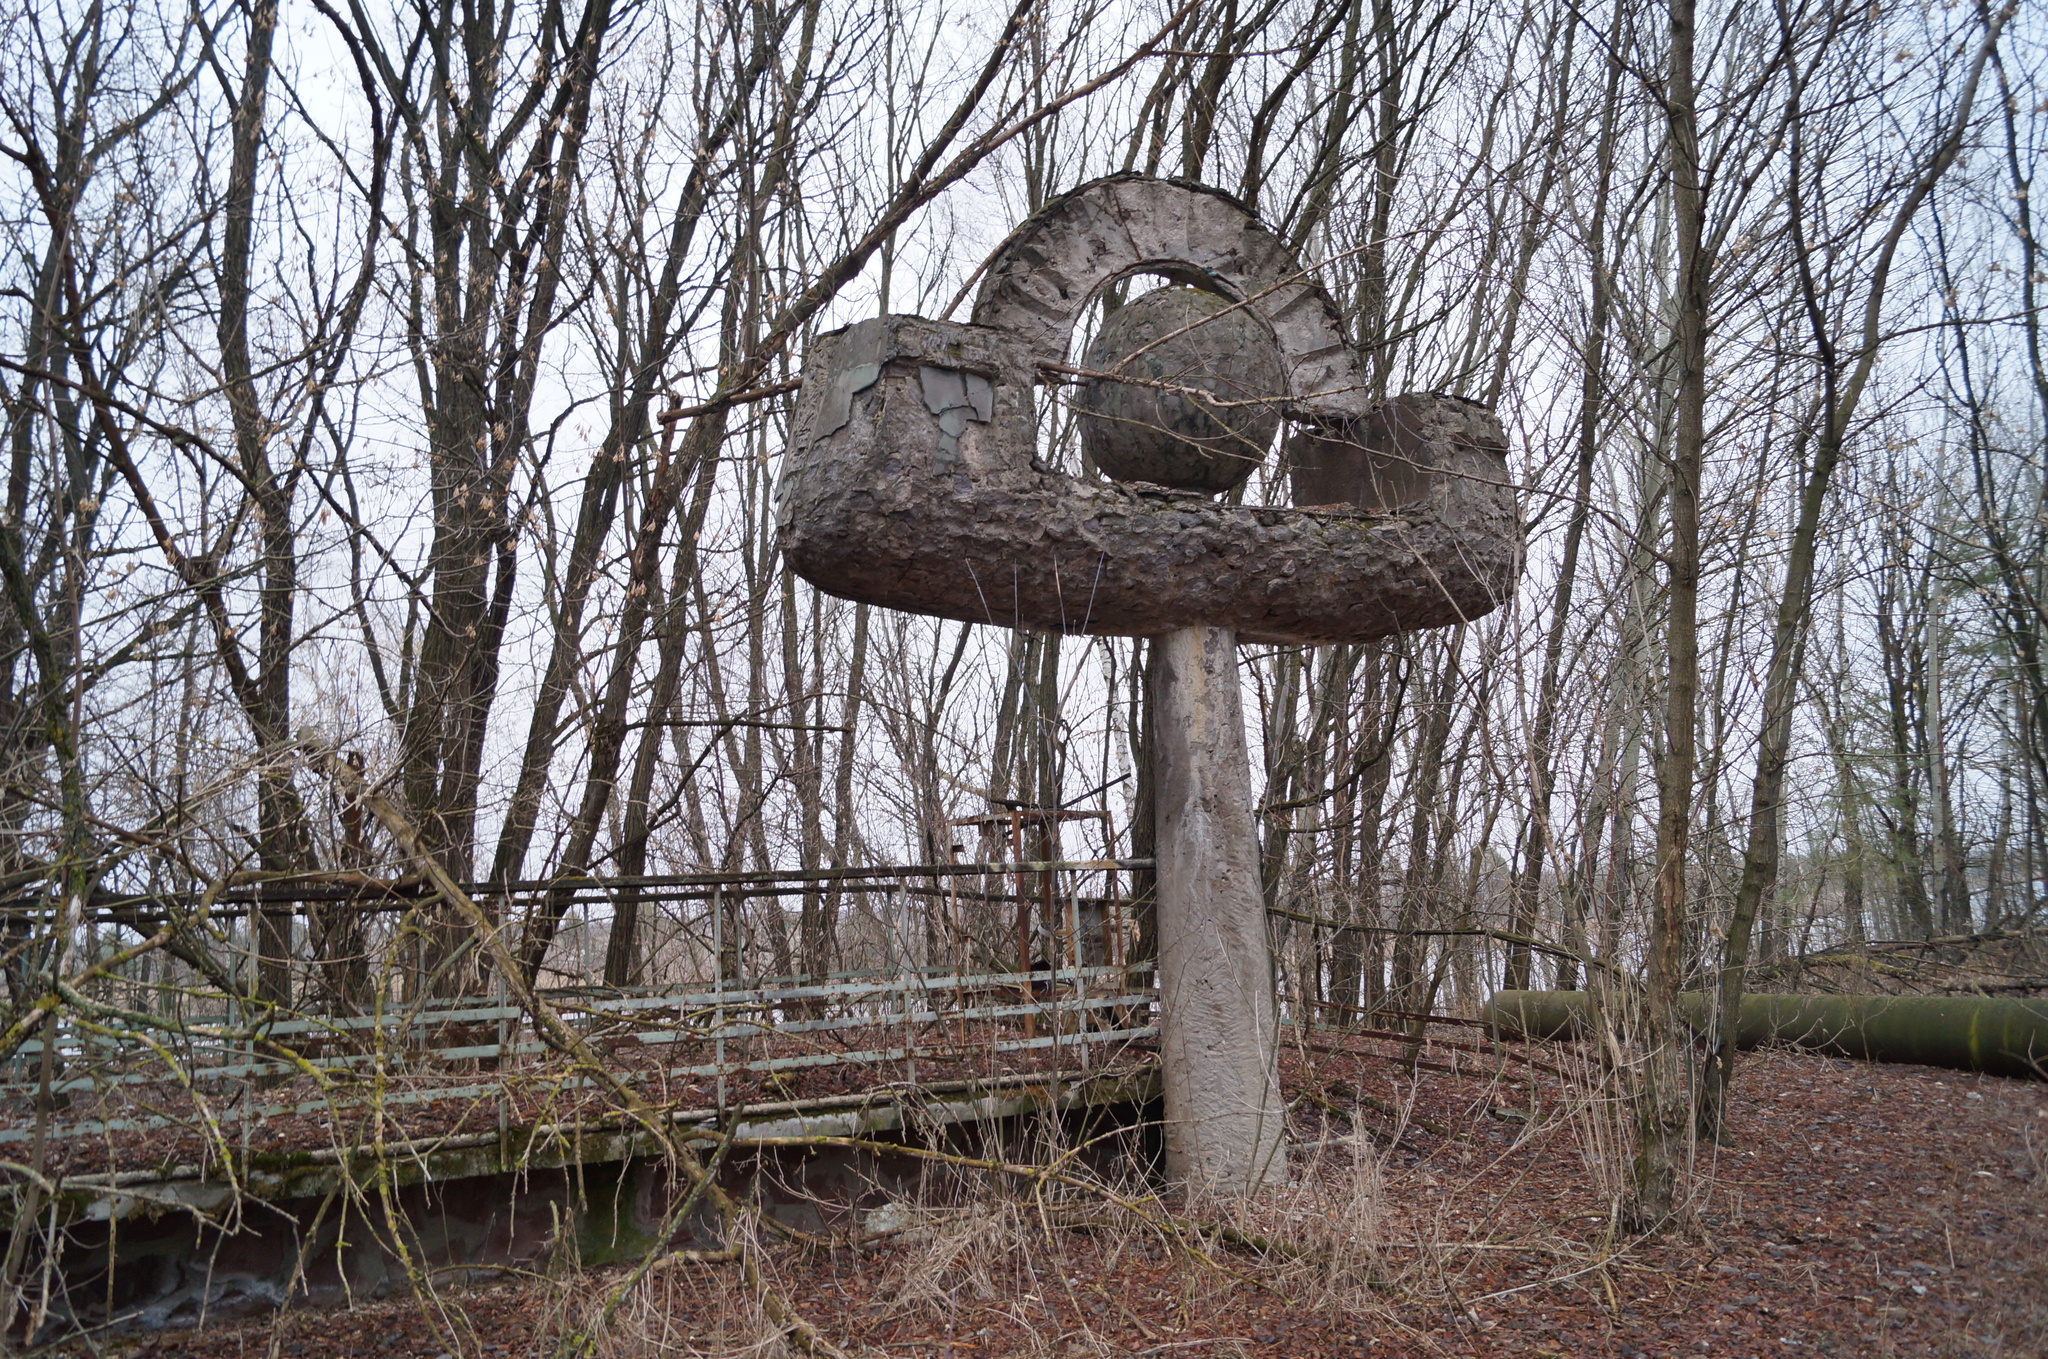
x=1040 y=279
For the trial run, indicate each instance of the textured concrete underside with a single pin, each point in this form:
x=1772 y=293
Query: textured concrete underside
x=1218 y=1024
x=911 y=482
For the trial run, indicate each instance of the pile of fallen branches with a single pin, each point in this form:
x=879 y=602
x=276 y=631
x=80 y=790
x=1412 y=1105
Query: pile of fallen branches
x=2002 y=962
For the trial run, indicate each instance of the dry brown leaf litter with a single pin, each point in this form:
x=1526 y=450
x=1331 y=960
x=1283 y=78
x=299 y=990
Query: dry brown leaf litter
x=1865 y=1210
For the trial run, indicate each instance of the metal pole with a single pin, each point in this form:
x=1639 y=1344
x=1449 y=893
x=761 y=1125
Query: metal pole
x=1080 y=1009
x=718 y=992
x=907 y=960
x=1023 y=925
x=505 y=1032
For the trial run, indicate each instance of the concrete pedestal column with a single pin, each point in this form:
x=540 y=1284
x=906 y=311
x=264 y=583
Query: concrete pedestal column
x=1219 y=1026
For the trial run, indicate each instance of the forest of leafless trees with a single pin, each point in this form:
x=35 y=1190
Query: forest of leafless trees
x=393 y=396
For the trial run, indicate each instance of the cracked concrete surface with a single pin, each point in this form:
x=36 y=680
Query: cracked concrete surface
x=879 y=502
x=1218 y=1017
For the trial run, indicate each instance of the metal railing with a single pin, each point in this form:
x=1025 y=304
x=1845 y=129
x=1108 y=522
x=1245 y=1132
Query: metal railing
x=927 y=992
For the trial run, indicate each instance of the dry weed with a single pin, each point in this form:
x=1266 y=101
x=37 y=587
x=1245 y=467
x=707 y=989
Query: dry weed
x=970 y=1251
x=682 y=1309
x=1599 y=1116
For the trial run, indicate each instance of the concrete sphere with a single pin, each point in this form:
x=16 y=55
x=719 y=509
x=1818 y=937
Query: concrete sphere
x=1189 y=339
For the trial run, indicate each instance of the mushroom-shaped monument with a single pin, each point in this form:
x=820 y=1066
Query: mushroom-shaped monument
x=912 y=481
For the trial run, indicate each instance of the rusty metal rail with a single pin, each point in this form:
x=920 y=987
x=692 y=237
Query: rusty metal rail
x=860 y=1001
x=914 y=1010
x=938 y=972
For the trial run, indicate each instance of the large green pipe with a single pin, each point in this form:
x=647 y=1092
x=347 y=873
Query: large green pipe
x=1967 y=1033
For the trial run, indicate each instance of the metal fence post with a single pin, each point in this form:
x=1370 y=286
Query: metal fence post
x=718 y=991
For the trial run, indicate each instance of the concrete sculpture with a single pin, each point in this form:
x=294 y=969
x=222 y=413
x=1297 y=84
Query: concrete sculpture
x=1184 y=341
x=912 y=480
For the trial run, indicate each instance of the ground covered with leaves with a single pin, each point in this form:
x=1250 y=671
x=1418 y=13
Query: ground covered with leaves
x=1860 y=1210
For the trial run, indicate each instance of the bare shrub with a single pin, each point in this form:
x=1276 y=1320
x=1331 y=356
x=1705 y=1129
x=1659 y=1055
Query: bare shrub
x=683 y=1309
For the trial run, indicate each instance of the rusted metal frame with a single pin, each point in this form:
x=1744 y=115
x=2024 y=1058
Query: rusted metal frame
x=774 y=875
x=718 y=982
x=979 y=1086
x=861 y=985
x=1023 y=914
x=582 y=894
x=714 y=1000
x=508 y=1028
x=1045 y=822
x=880 y=985
x=477 y=1090
x=872 y=986
x=284 y=893
x=717 y=1004
x=572 y=995
x=730 y=1029
x=898 y=1054
x=902 y=944
x=747 y=1028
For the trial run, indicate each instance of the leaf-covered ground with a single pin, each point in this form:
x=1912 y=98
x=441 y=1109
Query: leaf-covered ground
x=1862 y=1210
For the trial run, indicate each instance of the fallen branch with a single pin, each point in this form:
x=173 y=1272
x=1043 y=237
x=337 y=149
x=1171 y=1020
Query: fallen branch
x=583 y=1340
x=1324 y=1045
x=1399 y=1115
x=1391 y=1036
x=1330 y=1106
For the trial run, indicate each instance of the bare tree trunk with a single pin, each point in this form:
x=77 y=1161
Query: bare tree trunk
x=1948 y=838
x=818 y=948
x=1843 y=391
x=1661 y=1121
x=1536 y=837
x=1420 y=899
x=631 y=422
x=1902 y=663
x=476 y=385
x=623 y=959
x=281 y=818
